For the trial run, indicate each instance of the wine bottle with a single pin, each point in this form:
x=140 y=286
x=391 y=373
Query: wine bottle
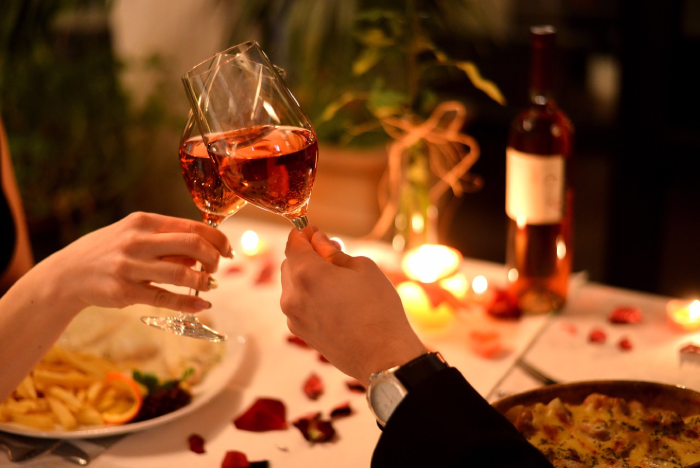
x=539 y=193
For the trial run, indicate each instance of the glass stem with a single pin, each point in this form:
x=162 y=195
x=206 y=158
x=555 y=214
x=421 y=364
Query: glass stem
x=300 y=222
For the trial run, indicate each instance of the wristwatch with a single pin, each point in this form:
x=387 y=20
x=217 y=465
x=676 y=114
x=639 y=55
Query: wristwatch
x=388 y=388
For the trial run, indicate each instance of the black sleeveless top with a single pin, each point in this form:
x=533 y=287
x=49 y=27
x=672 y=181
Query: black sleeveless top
x=8 y=236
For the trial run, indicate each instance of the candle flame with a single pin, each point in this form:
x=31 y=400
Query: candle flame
x=480 y=284
x=694 y=311
x=250 y=242
x=429 y=263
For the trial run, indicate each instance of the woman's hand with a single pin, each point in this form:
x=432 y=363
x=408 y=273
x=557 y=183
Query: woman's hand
x=117 y=266
x=344 y=307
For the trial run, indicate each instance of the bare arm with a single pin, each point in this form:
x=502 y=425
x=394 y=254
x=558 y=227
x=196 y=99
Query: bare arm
x=112 y=267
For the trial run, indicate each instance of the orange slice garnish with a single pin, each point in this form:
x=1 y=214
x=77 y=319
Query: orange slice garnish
x=120 y=399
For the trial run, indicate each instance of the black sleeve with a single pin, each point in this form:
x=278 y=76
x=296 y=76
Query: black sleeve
x=444 y=422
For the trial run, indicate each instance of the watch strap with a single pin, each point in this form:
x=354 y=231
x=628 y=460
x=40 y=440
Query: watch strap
x=416 y=371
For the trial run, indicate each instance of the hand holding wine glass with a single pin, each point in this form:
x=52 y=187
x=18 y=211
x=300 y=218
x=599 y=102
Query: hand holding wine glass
x=215 y=203
x=265 y=148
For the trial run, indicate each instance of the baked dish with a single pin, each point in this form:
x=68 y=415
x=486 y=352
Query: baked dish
x=633 y=424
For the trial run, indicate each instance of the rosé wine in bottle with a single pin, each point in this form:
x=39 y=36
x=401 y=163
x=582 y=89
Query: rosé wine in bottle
x=271 y=166
x=212 y=197
x=539 y=193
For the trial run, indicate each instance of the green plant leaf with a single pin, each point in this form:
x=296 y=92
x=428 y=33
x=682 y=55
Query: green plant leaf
x=375 y=38
x=488 y=87
x=386 y=102
x=332 y=109
x=367 y=59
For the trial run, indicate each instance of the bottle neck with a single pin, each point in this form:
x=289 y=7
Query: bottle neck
x=542 y=62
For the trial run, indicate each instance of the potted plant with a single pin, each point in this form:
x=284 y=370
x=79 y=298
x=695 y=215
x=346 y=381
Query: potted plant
x=366 y=72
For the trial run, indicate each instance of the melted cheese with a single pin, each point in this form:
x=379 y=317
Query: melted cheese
x=609 y=432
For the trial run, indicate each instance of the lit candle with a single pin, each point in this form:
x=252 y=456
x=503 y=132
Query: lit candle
x=429 y=263
x=251 y=245
x=480 y=292
x=684 y=315
x=457 y=285
x=419 y=309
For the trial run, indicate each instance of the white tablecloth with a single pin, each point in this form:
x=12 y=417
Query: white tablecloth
x=272 y=367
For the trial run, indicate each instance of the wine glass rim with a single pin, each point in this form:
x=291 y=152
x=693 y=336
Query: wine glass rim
x=241 y=48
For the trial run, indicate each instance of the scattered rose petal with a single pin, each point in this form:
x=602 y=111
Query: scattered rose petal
x=597 y=336
x=570 y=328
x=322 y=358
x=625 y=344
x=266 y=273
x=315 y=429
x=297 y=341
x=504 y=305
x=486 y=344
x=196 y=442
x=235 y=459
x=355 y=386
x=313 y=387
x=341 y=410
x=232 y=270
x=625 y=314
x=266 y=414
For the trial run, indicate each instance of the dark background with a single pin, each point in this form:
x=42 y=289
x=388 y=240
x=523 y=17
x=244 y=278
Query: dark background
x=637 y=155
x=637 y=146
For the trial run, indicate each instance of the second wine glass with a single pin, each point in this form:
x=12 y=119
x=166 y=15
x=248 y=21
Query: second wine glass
x=215 y=202
x=264 y=146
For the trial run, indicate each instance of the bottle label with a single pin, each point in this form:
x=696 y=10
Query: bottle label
x=534 y=187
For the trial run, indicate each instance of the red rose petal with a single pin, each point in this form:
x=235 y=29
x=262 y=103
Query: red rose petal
x=341 y=410
x=313 y=387
x=235 y=459
x=196 y=442
x=625 y=344
x=504 y=305
x=597 y=336
x=315 y=429
x=486 y=344
x=232 y=270
x=297 y=341
x=266 y=273
x=266 y=414
x=625 y=314
x=355 y=386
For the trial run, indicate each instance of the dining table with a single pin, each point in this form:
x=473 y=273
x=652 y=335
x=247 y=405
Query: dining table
x=579 y=342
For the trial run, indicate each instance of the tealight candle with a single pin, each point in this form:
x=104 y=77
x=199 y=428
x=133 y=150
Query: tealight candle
x=429 y=263
x=251 y=245
x=419 y=309
x=683 y=314
x=480 y=292
x=457 y=285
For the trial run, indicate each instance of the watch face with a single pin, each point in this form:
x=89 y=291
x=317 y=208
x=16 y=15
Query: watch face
x=384 y=397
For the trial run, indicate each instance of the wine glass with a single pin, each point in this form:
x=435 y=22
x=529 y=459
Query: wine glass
x=264 y=146
x=215 y=203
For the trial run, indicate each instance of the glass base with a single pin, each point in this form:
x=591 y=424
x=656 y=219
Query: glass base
x=184 y=327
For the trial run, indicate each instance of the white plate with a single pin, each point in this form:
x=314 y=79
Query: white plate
x=212 y=385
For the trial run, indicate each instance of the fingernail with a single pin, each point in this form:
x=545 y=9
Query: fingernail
x=202 y=304
x=230 y=253
x=212 y=283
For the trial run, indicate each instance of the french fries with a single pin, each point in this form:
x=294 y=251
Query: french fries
x=65 y=390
